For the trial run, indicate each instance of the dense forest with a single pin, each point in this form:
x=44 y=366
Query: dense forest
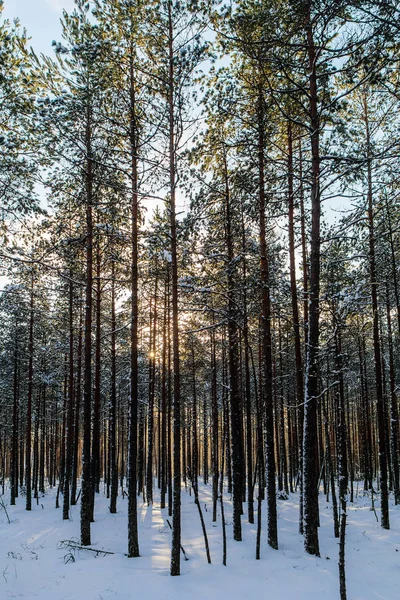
x=200 y=243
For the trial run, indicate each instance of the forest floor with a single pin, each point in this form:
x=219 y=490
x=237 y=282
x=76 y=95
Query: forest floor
x=33 y=565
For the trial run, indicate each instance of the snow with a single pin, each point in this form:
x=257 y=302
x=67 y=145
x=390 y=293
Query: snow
x=32 y=565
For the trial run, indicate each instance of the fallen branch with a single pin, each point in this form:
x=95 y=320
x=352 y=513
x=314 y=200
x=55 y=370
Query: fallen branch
x=203 y=525
x=3 y=506
x=182 y=548
x=373 y=505
x=74 y=545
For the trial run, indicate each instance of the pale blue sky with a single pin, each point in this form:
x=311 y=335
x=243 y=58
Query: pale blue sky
x=41 y=18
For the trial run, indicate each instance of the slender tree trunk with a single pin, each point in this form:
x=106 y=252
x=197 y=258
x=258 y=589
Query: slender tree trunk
x=249 y=436
x=310 y=431
x=169 y=402
x=380 y=409
x=77 y=413
x=295 y=309
x=205 y=442
x=113 y=401
x=214 y=417
x=266 y=389
x=152 y=375
x=176 y=513
x=86 y=499
x=195 y=443
x=164 y=448
x=70 y=405
x=332 y=475
x=133 y=538
x=60 y=465
x=342 y=460
x=36 y=445
x=227 y=437
x=97 y=382
x=28 y=446
x=394 y=412
x=233 y=356
x=394 y=266
x=14 y=440
x=42 y=437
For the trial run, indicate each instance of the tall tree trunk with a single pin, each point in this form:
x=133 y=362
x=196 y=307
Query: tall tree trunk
x=233 y=358
x=97 y=381
x=393 y=265
x=78 y=392
x=42 y=437
x=214 y=417
x=176 y=514
x=86 y=499
x=28 y=445
x=113 y=401
x=394 y=412
x=152 y=376
x=133 y=538
x=249 y=436
x=14 y=439
x=342 y=458
x=266 y=389
x=164 y=447
x=70 y=404
x=169 y=398
x=310 y=439
x=295 y=309
x=380 y=409
x=195 y=443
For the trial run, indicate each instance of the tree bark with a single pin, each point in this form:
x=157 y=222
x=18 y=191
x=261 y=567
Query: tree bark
x=310 y=439
x=28 y=445
x=86 y=499
x=266 y=389
x=176 y=511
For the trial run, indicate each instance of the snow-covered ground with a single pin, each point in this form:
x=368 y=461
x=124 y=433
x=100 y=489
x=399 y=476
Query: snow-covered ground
x=32 y=564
